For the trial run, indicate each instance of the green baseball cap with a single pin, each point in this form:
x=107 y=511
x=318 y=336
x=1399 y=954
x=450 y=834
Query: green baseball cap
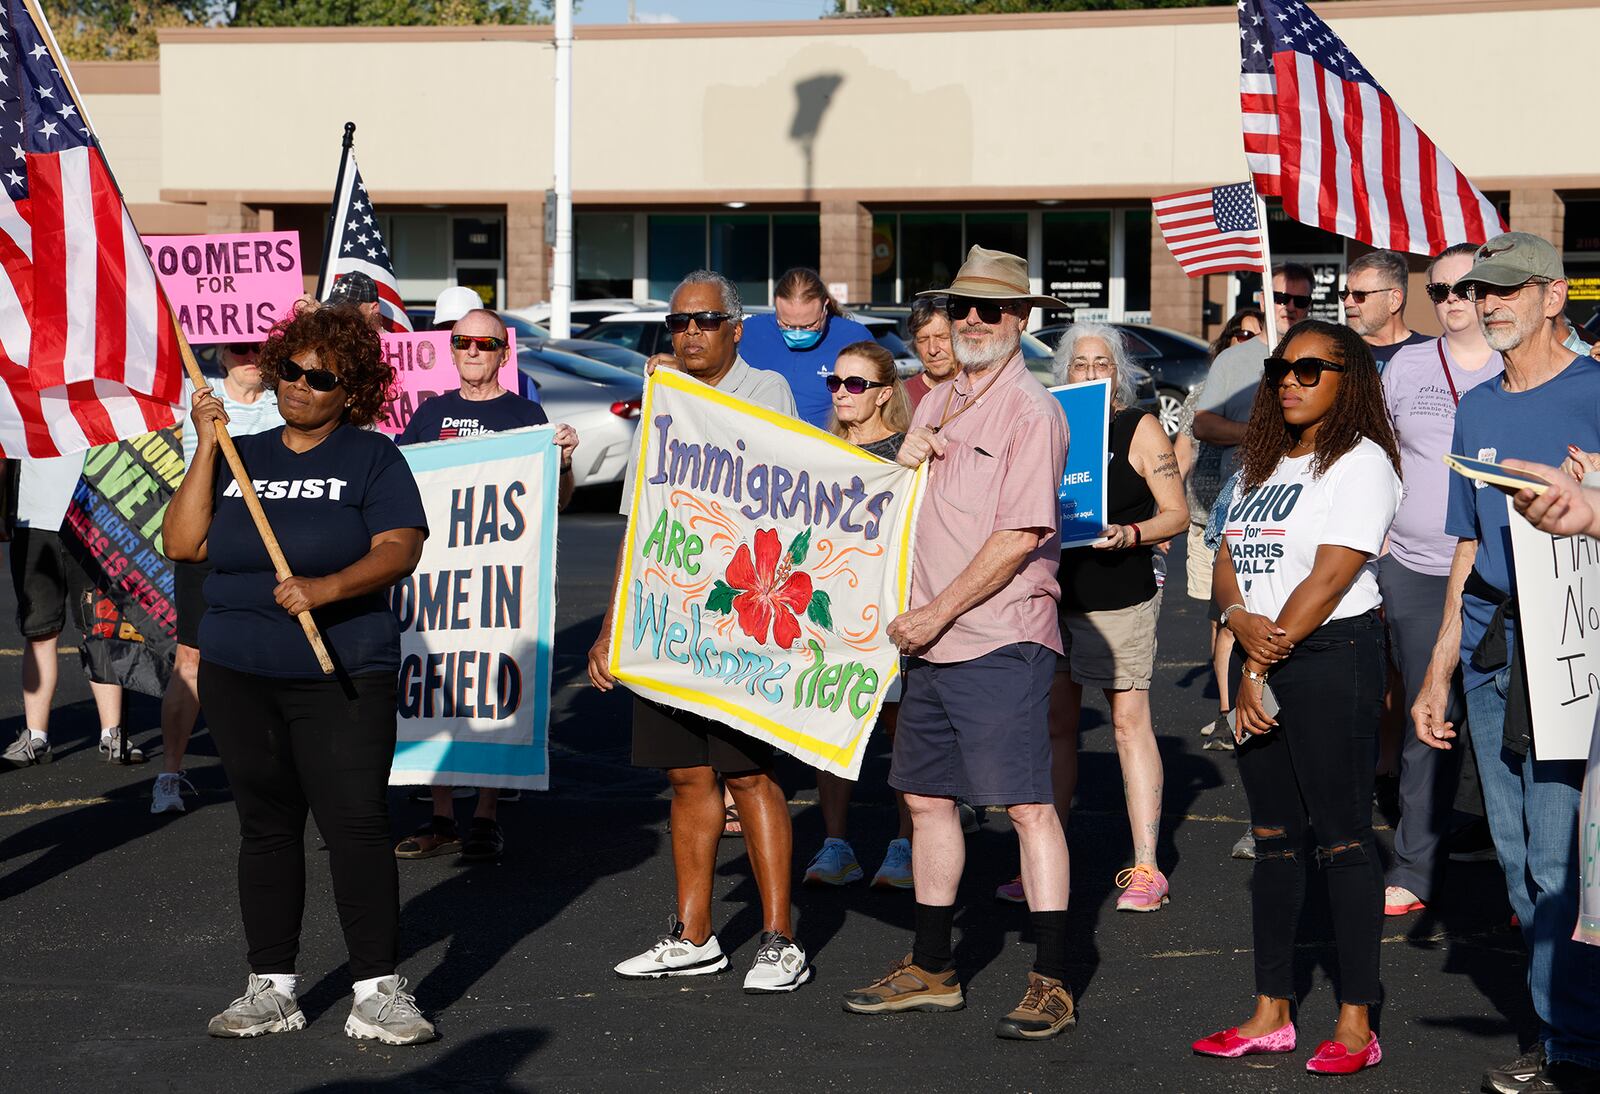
x=1513 y=258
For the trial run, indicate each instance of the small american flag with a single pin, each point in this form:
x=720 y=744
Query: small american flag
x=1321 y=134
x=356 y=243
x=87 y=350
x=1211 y=231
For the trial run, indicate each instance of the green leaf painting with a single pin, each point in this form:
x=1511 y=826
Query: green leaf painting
x=820 y=611
x=721 y=598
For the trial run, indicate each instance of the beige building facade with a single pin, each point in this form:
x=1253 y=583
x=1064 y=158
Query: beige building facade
x=875 y=149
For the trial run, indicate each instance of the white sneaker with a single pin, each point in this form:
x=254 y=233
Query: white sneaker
x=261 y=1009
x=780 y=966
x=674 y=955
x=111 y=741
x=167 y=797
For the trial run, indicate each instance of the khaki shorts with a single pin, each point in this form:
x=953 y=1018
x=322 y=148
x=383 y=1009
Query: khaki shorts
x=1114 y=650
x=1198 y=562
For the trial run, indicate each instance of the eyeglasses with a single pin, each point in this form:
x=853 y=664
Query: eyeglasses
x=989 y=311
x=815 y=324
x=1307 y=370
x=320 y=379
x=485 y=343
x=1440 y=291
x=1361 y=295
x=855 y=385
x=1243 y=335
x=1289 y=300
x=243 y=349
x=1097 y=364
x=1477 y=290
x=708 y=321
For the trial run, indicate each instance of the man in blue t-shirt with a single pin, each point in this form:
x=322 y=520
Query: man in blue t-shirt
x=1546 y=400
x=801 y=340
x=478 y=348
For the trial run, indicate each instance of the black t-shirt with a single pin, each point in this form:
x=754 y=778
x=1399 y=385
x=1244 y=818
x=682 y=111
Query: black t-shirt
x=324 y=506
x=1381 y=354
x=448 y=416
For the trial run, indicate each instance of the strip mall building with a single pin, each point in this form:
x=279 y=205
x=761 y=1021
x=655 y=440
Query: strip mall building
x=874 y=149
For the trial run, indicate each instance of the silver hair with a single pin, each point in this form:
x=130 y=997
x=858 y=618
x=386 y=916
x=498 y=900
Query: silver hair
x=1390 y=265
x=1122 y=386
x=730 y=294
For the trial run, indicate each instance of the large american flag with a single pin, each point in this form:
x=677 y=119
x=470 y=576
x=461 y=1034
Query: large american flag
x=1213 y=230
x=1320 y=133
x=356 y=243
x=87 y=350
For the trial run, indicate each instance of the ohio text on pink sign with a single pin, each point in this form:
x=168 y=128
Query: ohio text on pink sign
x=423 y=369
x=228 y=288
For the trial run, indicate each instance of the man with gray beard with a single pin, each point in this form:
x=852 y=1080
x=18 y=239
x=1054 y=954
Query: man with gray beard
x=982 y=637
x=1547 y=399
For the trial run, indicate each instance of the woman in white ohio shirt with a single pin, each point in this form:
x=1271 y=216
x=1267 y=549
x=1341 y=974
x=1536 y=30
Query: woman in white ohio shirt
x=1296 y=586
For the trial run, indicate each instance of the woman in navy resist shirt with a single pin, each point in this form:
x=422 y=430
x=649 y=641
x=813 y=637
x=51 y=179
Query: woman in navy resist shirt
x=349 y=518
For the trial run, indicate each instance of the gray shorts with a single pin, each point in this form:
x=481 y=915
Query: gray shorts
x=977 y=729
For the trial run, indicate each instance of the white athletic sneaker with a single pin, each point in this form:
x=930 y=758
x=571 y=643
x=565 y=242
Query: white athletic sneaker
x=835 y=864
x=389 y=1015
x=780 y=966
x=261 y=1009
x=111 y=741
x=167 y=796
x=674 y=955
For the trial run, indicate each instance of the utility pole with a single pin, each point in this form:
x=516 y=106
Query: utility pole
x=561 y=265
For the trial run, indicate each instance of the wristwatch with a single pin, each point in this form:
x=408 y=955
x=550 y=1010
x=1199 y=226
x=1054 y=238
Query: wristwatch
x=1222 y=620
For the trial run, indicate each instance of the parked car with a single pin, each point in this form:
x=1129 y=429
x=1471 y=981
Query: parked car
x=1041 y=361
x=1177 y=361
x=601 y=402
x=527 y=333
x=607 y=353
x=584 y=313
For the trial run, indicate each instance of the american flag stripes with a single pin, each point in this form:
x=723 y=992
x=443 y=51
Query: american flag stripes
x=1213 y=230
x=87 y=351
x=356 y=243
x=1320 y=133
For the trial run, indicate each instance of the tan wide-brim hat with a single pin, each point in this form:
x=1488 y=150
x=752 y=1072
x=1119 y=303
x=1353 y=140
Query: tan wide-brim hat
x=995 y=275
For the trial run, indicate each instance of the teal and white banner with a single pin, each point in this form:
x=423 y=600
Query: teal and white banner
x=477 y=618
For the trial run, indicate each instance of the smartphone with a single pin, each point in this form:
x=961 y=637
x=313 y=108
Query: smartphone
x=1269 y=704
x=1506 y=478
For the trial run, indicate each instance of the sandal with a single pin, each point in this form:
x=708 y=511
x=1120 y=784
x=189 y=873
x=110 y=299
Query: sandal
x=485 y=842
x=437 y=837
x=731 y=828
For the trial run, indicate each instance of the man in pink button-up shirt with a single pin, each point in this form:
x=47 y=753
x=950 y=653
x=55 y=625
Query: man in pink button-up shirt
x=982 y=635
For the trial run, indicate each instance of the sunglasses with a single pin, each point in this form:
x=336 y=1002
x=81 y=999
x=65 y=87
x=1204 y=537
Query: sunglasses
x=485 y=343
x=855 y=385
x=1242 y=336
x=243 y=349
x=1477 y=290
x=1440 y=291
x=989 y=311
x=320 y=379
x=678 y=321
x=1307 y=371
x=1361 y=295
x=1292 y=301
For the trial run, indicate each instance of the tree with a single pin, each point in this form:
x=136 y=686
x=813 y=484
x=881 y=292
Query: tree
x=994 y=7
x=384 y=13
x=119 y=30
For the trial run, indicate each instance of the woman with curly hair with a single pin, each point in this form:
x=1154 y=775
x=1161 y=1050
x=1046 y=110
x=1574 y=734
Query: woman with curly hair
x=349 y=518
x=1296 y=584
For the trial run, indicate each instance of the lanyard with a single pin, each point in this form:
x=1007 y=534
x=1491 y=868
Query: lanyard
x=950 y=416
x=1439 y=345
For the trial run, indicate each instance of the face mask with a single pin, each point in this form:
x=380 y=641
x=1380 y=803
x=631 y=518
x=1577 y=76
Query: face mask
x=801 y=339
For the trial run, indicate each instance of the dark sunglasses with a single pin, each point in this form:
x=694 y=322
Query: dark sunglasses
x=989 y=311
x=1292 y=301
x=243 y=349
x=1361 y=294
x=1242 y=336
x=320 y=379
x=1477 y=290
x=1307 y=370
x=1440 y=291
x=855 y=385
x=485 y=343
x=678 y=321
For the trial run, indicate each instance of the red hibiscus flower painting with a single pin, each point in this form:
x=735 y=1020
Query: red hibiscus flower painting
x=766 y=591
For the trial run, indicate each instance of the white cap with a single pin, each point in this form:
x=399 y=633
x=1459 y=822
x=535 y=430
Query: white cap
x=455 y=302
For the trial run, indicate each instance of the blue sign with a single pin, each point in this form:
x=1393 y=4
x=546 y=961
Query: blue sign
x=1083 y=483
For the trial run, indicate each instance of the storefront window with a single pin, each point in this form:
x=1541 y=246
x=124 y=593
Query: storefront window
x=1077 y=259
x=739 y=253
x=603 y=255
x=885 y=258
x=796 y=241
x=677 y=247
x=419 y=245
x=930 y=251
x=1006 y=232
x=1136 y=262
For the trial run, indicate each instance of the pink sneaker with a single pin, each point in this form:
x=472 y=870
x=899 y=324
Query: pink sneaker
x=1144 y=889
x=1011 y=892
x=1229 y=1045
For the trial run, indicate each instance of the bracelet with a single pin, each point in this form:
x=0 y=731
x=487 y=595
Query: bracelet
x=1137 y=538
x=1261 y=676
x=1222 y=620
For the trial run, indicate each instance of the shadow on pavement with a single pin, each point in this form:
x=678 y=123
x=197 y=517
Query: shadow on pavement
x=484 y=1063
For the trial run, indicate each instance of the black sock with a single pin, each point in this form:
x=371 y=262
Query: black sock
x=931 y=950
x=1050 y=934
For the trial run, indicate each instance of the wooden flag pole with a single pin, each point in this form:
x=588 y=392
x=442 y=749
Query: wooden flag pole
x=1269 y=306
x=230 y=453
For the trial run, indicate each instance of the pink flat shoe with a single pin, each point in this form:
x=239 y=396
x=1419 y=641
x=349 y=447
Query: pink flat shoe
x=1332 y=1058
x=1229 y=1045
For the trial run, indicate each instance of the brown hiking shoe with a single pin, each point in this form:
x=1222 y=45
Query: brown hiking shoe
x=907 y=987
x=1045 y=1011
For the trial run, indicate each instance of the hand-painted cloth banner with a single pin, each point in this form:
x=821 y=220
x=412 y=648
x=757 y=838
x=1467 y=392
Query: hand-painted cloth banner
x=228 y=288
x=763 y=562
x=113 y=530
x=477 y=618
x=1589 y=850
x=1083 y=483
x=422 y=369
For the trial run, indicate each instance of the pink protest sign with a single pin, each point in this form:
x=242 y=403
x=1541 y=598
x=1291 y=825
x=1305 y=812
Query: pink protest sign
x=423 y=368
x=228 y=288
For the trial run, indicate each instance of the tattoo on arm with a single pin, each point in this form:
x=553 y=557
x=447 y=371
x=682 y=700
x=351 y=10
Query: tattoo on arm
x=1167 y=466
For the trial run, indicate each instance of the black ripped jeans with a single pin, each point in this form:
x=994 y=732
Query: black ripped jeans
x=1309 y=783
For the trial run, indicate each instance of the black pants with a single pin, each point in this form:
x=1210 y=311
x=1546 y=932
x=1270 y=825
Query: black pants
x=293 y=745
x=1309 y=782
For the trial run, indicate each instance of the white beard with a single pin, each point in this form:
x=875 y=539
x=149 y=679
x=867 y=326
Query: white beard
x=976 y=359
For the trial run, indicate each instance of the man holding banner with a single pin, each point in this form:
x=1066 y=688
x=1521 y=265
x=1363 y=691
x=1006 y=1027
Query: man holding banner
x=983 y=635
x=706 y=323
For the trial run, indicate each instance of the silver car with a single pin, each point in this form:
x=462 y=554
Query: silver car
x=600 y=402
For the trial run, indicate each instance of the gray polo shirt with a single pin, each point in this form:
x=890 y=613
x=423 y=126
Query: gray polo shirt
x=754 y=385
x=1230 y=390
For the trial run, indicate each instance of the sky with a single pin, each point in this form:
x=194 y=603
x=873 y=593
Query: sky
x=698 y=11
